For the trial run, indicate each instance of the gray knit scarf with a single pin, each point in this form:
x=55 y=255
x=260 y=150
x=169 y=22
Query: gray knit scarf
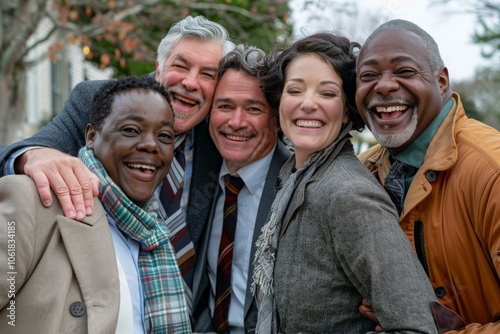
x=267 y=244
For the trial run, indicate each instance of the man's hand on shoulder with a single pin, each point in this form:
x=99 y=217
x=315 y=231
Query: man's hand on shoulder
x=74 y=185
x=366 y=309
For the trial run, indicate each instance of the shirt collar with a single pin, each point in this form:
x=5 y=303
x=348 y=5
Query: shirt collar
x=415 y=153
x=253 y=174
x=189 y=139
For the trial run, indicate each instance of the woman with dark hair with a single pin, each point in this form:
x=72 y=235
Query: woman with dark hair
x=332 y=236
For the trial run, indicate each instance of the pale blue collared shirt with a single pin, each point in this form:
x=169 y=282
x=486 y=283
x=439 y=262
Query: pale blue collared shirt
x=254 y=175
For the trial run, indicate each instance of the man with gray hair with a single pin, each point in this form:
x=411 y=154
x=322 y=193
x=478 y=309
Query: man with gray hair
x=186 y=66
x=244 y=129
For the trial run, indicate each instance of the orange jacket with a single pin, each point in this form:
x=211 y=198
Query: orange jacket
x=451 y=216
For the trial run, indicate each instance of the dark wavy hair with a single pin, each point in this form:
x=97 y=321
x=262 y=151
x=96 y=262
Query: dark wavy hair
x=103 y=99
x=246 y=58
x=335 y=50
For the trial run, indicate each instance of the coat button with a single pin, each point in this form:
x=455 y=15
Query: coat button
x=431 y=176
x=440 y=292
x=77 y=309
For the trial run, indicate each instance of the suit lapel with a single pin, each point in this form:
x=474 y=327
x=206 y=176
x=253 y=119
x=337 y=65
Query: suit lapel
x=200 y=275
x=201 y=282
x=204 y=181
x=91 y=252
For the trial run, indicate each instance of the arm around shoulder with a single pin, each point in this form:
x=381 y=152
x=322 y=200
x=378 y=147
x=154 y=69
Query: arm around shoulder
x=380 y=260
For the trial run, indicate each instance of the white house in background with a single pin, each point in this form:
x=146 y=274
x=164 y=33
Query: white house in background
x=48 y=83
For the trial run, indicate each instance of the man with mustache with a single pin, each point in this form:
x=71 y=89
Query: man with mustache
x=186 y=66
x=245 y=132
x=441 y=169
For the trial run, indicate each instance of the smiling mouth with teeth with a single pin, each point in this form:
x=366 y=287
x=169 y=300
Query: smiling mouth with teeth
x=236 y=137
x=308 y=124
x=142 y=168
x=391 y=111
x=185 y=100
x=391 y=108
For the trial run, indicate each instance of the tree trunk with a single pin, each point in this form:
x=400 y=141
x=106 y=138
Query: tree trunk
x=12 y=103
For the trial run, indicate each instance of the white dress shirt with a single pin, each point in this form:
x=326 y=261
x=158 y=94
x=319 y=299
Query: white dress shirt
x=131 y=314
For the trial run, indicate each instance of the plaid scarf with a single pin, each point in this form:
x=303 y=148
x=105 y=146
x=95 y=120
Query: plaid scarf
x=165 y=308
x=267 y=243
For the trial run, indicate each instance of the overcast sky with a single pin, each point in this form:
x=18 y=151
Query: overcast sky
x=452 y=32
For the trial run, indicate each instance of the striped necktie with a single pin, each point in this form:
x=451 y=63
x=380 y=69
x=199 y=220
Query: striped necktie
x=233 y=186
x=395 y=180
x=170 y=197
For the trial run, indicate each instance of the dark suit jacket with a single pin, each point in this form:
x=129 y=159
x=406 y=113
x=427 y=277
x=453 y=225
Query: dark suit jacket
x=66 y=133
x=202 y=320
x=56 y=262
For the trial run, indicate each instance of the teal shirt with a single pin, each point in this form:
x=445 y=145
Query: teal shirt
x=415 y=153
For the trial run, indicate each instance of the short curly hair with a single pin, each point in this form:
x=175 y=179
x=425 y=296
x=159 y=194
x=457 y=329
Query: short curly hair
x=103 y=99
x=336 y=50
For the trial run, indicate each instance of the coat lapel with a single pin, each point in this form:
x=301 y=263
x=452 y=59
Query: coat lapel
x=281 y=155
x=91 y=252
x=201 y=283
x=204 y=181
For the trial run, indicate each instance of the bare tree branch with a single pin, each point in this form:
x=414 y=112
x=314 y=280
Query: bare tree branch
x=11 y=54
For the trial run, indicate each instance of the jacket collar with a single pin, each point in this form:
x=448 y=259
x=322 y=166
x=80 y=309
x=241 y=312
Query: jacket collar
x=442 y=152
x=318 y=164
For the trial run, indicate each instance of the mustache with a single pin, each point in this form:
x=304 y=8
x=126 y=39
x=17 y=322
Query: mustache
x=191 y=95
x=390 y=100
x=243 y=133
